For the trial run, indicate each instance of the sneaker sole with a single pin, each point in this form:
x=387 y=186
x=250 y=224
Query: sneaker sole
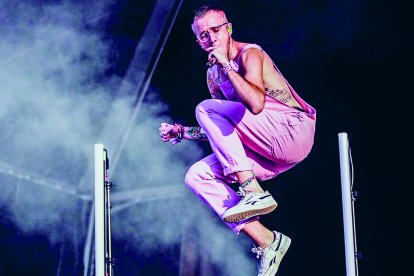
x=248 y=214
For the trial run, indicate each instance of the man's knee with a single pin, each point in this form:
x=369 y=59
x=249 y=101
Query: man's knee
x=194 y=175
x=206 y=106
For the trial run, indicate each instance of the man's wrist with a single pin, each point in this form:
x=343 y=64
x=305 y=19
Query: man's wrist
x=180 y=134
x=226 y=63
x=231 y=66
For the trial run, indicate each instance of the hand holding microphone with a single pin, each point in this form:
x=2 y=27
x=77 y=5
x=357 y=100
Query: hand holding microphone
x=216 y=55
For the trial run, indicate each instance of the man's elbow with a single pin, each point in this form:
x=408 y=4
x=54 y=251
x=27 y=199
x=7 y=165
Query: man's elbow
x=259 y=105
x=256 y=110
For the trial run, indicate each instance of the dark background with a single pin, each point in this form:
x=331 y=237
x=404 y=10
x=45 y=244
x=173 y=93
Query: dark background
x=345 y=58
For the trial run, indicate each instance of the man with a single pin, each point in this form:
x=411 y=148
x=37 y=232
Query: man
x=257 y=127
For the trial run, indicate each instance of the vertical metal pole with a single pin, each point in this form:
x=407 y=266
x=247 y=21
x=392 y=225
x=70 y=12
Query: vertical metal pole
x=99 y=210
x=108 y=242
x=347 y=202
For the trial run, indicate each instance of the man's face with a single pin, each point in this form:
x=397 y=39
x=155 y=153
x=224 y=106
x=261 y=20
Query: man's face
x=211 y=30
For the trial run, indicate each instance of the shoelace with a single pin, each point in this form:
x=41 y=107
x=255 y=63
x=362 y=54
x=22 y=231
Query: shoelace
x=242 y=192
x=258 y=250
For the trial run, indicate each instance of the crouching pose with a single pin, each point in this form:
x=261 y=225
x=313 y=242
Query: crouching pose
x=257 y=126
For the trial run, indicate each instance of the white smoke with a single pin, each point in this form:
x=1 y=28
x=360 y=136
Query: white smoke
x=55 y=99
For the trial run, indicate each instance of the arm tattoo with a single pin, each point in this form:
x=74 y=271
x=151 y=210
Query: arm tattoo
x=196 y=133
x=210 y=81
x=210 y=84
x=282 y=95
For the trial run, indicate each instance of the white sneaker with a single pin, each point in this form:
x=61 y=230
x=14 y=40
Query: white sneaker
x=251 y=204
x=271 y=256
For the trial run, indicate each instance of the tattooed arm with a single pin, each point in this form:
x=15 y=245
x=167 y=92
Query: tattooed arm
x=213 y=85
x=195 y=133
x=170 y=132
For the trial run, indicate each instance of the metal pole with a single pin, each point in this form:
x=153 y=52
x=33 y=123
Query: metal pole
x=99 y=210
x=347 y=206
x=108 y=242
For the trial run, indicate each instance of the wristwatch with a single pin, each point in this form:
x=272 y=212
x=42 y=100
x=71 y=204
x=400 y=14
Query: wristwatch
x=231 y=66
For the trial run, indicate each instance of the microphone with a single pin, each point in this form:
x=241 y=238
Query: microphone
x=211 y=62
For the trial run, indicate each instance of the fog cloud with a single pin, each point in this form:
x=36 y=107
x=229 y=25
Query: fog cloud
x=55 y=99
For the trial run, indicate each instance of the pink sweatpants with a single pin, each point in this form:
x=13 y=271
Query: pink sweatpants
x=269 y=143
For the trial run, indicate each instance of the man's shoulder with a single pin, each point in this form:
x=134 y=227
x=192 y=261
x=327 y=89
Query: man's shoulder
x=247 y=50
x=244 y=46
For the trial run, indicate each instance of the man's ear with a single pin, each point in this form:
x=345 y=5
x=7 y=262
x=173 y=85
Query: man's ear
x=229 y=28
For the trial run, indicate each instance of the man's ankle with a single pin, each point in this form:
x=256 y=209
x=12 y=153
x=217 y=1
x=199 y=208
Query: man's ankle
x=254 y=186
x=268 y=241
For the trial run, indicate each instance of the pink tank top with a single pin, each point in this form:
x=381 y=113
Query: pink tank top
x=228 y=90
